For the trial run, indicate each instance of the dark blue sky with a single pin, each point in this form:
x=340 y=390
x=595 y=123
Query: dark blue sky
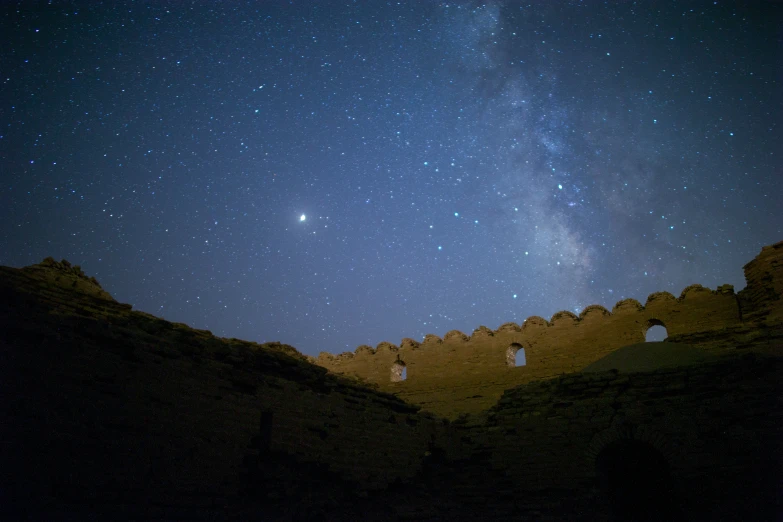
x=329 y=174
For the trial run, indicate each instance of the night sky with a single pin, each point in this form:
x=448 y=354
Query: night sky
x=330 y=174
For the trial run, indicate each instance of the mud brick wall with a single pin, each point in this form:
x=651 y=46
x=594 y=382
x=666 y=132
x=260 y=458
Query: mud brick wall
x=468 y=374
x=461 y=373
x=764 y=292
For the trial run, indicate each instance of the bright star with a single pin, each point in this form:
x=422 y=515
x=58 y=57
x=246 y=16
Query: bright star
x=302 y=217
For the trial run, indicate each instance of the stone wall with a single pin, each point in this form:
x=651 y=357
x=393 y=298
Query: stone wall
x=764 y=292
x=461 y=373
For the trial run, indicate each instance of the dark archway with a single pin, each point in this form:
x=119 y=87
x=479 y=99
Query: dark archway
x=635 y=479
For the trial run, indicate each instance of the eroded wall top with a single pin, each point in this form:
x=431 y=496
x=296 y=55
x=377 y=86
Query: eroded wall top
x=567 y=342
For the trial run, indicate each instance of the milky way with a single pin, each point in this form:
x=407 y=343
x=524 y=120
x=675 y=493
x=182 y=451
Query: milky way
x=330 y=175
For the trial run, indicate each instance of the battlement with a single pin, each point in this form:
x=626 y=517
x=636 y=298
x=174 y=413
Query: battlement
x=478 y=367
x=563 y=317
x=697 y=308
x=460 y=373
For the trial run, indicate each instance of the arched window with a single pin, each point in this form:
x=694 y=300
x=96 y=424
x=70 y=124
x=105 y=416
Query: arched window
x=515 y=355
x=398 y=371
x=656 y=331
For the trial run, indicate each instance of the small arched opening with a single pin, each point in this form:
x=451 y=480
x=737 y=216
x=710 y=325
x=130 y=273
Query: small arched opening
x=515 y=355
x=635 y=480
x=656 y=331
x=399 y=372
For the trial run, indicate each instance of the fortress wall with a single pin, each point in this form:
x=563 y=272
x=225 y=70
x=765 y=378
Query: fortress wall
x=764 y=275
x=460 y=373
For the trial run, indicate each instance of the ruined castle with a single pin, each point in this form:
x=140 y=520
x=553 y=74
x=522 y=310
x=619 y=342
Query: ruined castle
x=110 y=413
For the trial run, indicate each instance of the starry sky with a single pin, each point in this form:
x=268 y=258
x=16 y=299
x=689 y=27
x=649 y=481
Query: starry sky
x=329 y=174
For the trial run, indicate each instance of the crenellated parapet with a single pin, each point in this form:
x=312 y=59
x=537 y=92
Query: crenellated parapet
x=627 y=305
x=459 y=363
x=509 y=327
x=564 y=343
x=594 y=312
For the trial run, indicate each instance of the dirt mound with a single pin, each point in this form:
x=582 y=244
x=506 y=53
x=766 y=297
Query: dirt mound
x=642 y=357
